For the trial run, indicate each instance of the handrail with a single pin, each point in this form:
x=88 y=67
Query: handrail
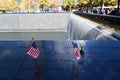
x=109 y=18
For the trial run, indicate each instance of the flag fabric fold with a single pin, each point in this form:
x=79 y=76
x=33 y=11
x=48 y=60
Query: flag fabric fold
x=76 y=51
x=33 y=51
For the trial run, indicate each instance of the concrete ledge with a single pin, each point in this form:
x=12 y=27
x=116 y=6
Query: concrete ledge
x=47 y=26
x=30 y=35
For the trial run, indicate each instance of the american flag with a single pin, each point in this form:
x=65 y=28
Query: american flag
x=33 y=51
x=76 y=51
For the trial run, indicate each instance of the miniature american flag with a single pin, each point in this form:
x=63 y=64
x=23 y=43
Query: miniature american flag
x=76 y=51
x=33 y=51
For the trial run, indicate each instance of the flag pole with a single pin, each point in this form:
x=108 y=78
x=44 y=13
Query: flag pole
x=73 y=67
x=37 y=63
x=18 y=70
x=35 y=59
x=37 y=71
x=20 y=67
x=75 y=72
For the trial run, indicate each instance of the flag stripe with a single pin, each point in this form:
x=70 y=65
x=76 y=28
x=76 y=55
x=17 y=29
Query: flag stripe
x=33 y=51
x=76 y=51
